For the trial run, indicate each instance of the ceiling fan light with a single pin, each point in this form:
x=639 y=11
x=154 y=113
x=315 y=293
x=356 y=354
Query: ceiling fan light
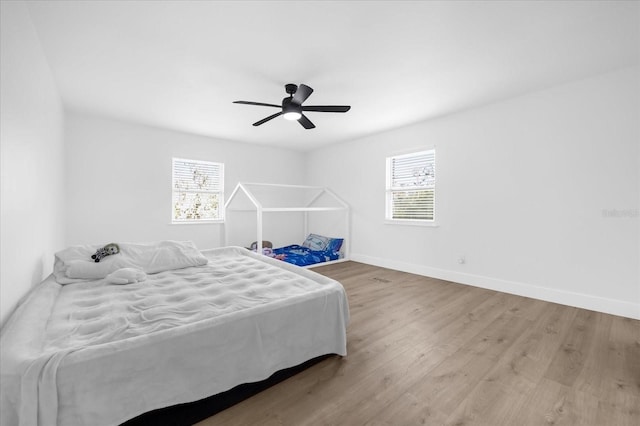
x=292 y=115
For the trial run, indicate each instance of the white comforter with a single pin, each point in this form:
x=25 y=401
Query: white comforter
x=96 y=354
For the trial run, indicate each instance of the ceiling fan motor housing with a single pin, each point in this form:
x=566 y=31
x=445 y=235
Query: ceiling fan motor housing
x=289 y=106
x=291 y=88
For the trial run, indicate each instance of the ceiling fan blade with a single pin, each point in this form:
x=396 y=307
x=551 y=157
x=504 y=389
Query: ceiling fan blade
x=306 y=123
x=302 y=94
x=264 y=120
x=256 y=103
x=327 y=108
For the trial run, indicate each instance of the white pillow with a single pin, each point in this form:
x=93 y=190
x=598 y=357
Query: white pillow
x=126 y=276
x=316 y=242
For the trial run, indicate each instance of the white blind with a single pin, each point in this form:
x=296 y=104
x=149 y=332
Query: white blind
x=411 y=181
x=197 y=190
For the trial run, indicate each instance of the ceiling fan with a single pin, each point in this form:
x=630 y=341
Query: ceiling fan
x=292 y=108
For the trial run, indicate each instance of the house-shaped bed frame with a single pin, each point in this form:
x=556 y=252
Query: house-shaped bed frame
x=319 y=199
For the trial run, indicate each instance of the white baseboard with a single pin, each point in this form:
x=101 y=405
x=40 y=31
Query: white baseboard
x=328 y=262
x=578 y=300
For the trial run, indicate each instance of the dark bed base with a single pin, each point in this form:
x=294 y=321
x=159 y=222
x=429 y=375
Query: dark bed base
x=192 y=412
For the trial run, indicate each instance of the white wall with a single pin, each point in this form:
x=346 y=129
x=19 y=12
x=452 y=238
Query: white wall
x=31 y=149
x=525 y=190
x=119 y=180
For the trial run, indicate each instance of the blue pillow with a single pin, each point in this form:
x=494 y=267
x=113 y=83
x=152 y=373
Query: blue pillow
x=335 y=244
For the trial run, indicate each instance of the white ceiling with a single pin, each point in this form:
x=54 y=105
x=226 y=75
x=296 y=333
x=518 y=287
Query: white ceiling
x=180 y=64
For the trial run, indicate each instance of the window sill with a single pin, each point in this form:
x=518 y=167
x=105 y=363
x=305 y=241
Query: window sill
x=428 y=224
x=199 y=222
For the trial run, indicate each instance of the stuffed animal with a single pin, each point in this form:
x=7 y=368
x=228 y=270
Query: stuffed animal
x=254 y=245
x=267 y=249
x=102 y=252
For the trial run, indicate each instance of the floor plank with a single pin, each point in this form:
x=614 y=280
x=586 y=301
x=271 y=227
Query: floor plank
x=426 y=351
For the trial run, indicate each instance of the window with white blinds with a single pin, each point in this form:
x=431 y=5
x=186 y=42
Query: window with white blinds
x=411 y=186
x=198 y=191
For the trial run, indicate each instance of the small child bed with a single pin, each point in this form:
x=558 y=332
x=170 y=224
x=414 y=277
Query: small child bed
x=321 y=210
x=85 y=351
x=304 y=256
x=315 y=249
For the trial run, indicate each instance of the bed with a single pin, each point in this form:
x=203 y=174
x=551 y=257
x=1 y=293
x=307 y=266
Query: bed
x=315 y=249
x=304 y=256
x=91 y=352
x=321 y=210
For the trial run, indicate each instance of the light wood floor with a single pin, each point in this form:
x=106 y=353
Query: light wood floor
x=425 y=351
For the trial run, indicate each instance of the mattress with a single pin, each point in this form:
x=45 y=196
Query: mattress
x=92 y=353
x=304 y=256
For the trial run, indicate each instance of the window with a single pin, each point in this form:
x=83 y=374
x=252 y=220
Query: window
x=411 y=187
x=198 y=191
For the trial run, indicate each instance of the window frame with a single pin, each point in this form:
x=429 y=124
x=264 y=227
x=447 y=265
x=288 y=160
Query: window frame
x=219 y=190
x=390 y=190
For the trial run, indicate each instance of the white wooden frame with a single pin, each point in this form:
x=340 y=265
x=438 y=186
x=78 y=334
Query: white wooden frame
x=244 y=187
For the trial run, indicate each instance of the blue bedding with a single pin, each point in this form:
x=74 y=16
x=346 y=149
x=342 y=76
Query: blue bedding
x=303 y=256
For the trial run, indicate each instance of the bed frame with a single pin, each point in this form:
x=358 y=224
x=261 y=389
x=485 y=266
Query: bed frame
x=193 y=412
x=318 y=199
